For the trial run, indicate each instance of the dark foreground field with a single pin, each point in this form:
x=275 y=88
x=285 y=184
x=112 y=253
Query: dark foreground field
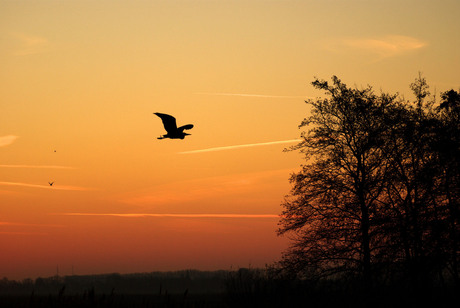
x=243 y=288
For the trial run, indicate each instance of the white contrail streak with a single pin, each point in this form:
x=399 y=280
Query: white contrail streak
x=60 y=187
x=231 y=147
x=37 y=166
x=174 y=215
x=251 y=95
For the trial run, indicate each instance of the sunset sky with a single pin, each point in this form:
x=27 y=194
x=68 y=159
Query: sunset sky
x=80 y=81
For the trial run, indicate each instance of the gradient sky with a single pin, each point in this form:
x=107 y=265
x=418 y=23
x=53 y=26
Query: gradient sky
x=81 y=79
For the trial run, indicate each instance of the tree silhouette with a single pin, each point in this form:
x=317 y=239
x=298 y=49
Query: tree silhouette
x=410 y=197
x=421 y=194
x=448 y=153
x=378 y=195
x=333 y=209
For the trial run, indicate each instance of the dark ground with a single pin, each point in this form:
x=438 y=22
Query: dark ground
x=220 y=289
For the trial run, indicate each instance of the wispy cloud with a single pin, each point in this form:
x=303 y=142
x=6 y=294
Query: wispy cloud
x=55 y=187
x=22 y=233
x=37 y=166
x=30 y=44
x=384 y=47
x=251 y=95
x=232 y=147
x=8 y=223
x=7 y=140
x=134 y=215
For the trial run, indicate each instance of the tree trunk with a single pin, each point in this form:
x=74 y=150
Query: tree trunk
x=365 y=246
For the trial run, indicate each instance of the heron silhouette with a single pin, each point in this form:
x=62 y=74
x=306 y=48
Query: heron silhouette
x=173 y=132
x=51 y=183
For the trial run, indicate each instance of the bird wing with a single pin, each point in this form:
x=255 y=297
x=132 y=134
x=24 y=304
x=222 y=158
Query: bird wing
x=188 y=126
x=169 y=122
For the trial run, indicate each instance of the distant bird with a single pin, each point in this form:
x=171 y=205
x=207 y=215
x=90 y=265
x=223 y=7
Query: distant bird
x=173 y=132
x=51 y=183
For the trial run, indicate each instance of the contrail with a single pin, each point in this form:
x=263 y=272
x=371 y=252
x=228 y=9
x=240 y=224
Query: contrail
x=60 y=187
x=37 y=166
x=231 y=147
x=252 y=95
x=174 y=215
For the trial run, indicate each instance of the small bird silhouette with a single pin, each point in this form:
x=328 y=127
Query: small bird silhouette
x=51 y=183
x=169 y=123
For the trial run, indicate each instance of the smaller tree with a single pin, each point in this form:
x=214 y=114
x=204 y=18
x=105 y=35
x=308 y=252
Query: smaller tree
x=447 y=147
x=409 y=194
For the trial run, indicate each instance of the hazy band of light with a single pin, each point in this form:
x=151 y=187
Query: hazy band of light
x=37 y=166
x=61 y=187
x=175 y=215
x=250 y=95
x=231 y=147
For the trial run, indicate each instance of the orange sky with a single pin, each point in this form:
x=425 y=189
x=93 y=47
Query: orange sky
x=81 y=80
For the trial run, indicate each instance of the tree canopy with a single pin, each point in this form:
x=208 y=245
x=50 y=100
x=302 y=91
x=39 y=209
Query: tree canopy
x=378 y=195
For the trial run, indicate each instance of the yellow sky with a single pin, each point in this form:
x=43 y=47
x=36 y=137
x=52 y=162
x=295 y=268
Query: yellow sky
x=80 y=81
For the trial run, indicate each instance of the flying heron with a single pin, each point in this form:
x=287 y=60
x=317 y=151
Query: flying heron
x=173 y=132
x=51 y=183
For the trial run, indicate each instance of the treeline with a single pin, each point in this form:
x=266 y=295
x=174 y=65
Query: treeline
x=175 y=282
x=377 y=200
x=220 y=289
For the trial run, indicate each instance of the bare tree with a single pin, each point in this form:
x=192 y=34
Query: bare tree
x=380 y=188
x=333 y=211
x=448 y=149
